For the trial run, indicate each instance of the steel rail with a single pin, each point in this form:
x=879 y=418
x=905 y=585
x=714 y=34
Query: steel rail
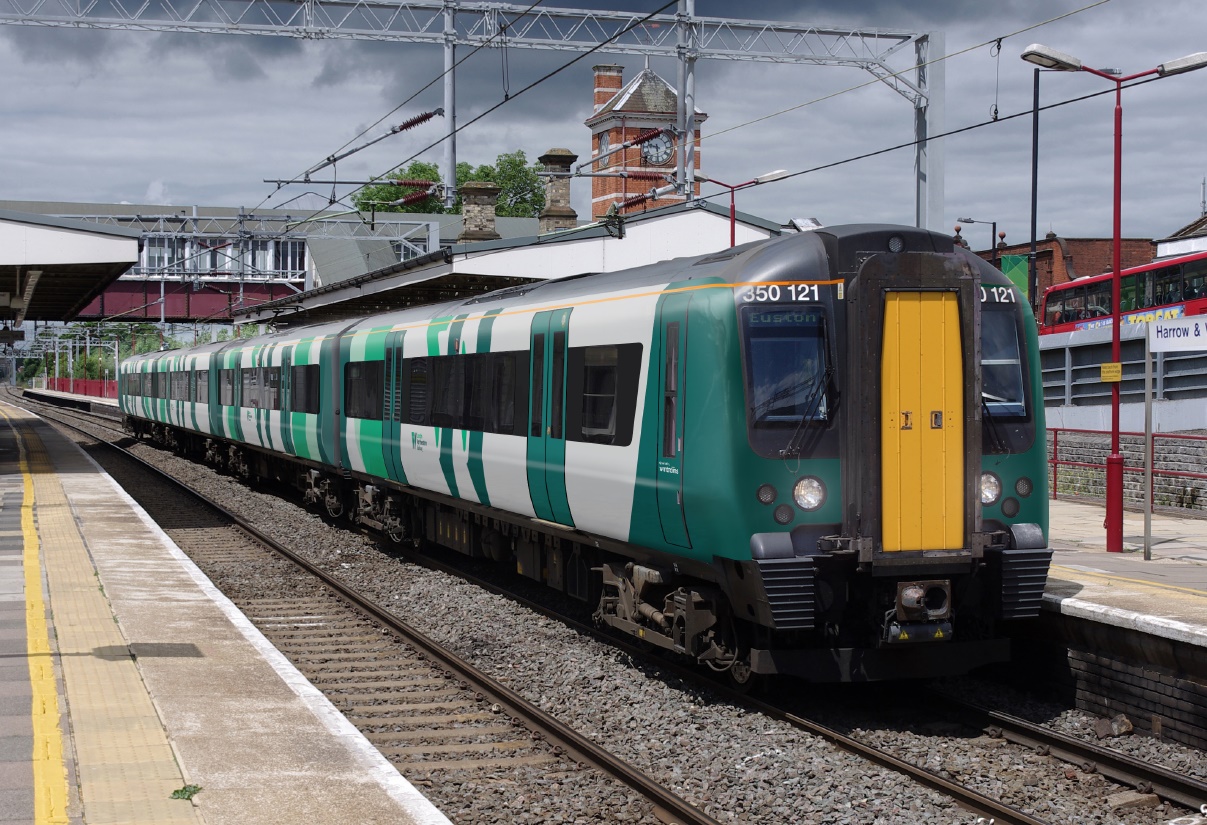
x=563 y=738
x=1114 y=765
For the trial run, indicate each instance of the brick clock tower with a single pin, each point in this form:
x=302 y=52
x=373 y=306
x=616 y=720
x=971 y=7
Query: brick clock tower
x=622 y=112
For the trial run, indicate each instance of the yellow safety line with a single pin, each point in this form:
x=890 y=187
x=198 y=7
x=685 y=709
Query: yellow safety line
x=1113 y=577
x=49 y=769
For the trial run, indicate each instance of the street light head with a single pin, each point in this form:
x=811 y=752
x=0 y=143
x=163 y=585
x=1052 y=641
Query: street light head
x=770 y=176
x=1183 y=64
x=966 y=220
x=1047 y=58
x=701 y=176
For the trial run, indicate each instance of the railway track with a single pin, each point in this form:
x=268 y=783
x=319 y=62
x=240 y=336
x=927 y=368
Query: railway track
x=289 y=622
x=428 y=711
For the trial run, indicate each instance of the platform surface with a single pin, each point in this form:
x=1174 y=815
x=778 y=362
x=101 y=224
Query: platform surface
x=125 y=676
x=1165 y=595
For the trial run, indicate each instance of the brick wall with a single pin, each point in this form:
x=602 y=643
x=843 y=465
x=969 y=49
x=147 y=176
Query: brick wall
x=1169 y=455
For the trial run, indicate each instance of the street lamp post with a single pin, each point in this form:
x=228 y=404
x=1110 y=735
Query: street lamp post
x=992 y=237
x=1047 y=58
x=733 y=219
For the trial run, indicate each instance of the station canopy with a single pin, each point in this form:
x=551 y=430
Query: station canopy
x=51 y=268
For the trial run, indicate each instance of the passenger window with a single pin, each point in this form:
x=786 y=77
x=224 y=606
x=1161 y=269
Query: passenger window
x=602 y=393
x=670 y=393
x=363 y=384
x=226 y=388
x=304 y=389
x=535 y=409
x=251 y=387
x=203 y=386
x=557 y=385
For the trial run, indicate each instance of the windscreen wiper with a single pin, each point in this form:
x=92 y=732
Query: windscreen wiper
x=811 y=406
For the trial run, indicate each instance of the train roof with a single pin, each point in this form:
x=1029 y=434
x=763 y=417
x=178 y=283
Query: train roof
x=801 y=256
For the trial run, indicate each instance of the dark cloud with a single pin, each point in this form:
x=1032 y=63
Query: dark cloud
x=125 y=115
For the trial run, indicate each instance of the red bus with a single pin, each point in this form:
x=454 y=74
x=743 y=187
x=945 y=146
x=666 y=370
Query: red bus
x=1169 y=288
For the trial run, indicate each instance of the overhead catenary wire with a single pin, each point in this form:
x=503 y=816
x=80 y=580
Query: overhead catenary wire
x=428 y=85
x=548 y=75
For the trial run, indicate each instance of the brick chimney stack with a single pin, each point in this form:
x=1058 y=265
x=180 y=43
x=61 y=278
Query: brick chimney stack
x=478 y=211
x=557 y=214
x=608 y=80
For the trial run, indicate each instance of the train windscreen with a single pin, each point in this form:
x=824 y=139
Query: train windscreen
x=786 y=372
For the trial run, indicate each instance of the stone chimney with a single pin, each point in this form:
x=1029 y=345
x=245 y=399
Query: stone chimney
x=557 y=213
x=608 y=80
x=478 y=211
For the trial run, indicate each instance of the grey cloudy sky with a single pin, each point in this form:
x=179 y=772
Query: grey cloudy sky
x=108 y=116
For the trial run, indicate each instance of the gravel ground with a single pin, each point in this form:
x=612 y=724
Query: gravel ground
x=738 y=765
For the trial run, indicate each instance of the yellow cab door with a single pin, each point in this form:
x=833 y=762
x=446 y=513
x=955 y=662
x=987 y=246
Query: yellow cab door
x=922 y=422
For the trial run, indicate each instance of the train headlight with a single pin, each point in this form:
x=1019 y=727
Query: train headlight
x=809 y=493
x=896 y=244
x=1023 y=486
x=991 y=489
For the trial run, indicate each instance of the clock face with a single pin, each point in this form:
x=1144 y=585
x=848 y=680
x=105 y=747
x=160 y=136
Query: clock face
x=604 y=145
x=658 y=150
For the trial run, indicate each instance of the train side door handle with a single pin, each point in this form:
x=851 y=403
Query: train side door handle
x=936 y=420
x=907 y=420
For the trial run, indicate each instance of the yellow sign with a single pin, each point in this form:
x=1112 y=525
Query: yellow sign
x=1111 y=372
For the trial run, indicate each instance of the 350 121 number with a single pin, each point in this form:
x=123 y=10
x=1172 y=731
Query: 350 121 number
x=998 y=295
x=774 y=293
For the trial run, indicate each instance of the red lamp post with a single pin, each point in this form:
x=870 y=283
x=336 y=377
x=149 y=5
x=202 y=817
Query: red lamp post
x=1047 y=58
x=733 y=215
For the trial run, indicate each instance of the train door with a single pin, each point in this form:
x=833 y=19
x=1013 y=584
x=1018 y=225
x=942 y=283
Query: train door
x=672 y=334
x=547 y=416
x=285 y=401
x=922 y=422
x=392 y=425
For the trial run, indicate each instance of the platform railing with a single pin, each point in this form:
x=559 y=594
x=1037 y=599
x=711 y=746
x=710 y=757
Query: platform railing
x=95 y=387
x=1077 y=466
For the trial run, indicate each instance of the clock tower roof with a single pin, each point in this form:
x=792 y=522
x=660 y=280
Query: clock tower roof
x=645 y=94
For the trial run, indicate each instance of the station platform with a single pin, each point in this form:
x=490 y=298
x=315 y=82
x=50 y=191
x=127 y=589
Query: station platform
x=1163 y=596
x=132 y=691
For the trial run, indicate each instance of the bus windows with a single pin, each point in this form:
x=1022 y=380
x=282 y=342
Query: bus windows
x=1194 y=276
x=1128 y=298
x=1098 y=300
x=1168 y=288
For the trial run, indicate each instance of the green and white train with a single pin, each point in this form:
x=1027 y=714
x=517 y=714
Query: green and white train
x=821 y=454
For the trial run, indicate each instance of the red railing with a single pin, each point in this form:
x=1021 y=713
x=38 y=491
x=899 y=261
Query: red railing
x=1055 y=462
x=95 y=387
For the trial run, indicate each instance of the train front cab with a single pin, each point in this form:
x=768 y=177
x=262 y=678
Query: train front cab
x=930 y=556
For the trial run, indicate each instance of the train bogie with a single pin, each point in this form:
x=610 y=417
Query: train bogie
x=819 y=455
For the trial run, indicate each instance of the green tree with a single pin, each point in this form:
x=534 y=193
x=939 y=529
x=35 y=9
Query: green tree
x=522 y=195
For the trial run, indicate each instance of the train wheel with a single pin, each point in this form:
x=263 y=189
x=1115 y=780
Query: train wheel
x=742 y=677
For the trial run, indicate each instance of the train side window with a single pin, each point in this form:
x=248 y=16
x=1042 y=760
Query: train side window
x=477 y=391
x=250 y=380
x=202 y=393
x=557 y=385
x=270 y=388
x=363 y=389
x=670 y=392
x=304 y=388
x=417 y=394
x=535 y=408
x=226 y=388
x=508 y=409
x=178 y=385
x=163 y=385
x=448 y=391
x=602 y=393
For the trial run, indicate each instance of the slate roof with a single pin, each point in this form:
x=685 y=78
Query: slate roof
x=647 y=93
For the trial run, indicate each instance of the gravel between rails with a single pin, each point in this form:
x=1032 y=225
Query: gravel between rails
x=737 y=765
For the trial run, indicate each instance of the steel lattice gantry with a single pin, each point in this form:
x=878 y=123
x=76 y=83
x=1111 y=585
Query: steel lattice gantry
x=684 y=36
